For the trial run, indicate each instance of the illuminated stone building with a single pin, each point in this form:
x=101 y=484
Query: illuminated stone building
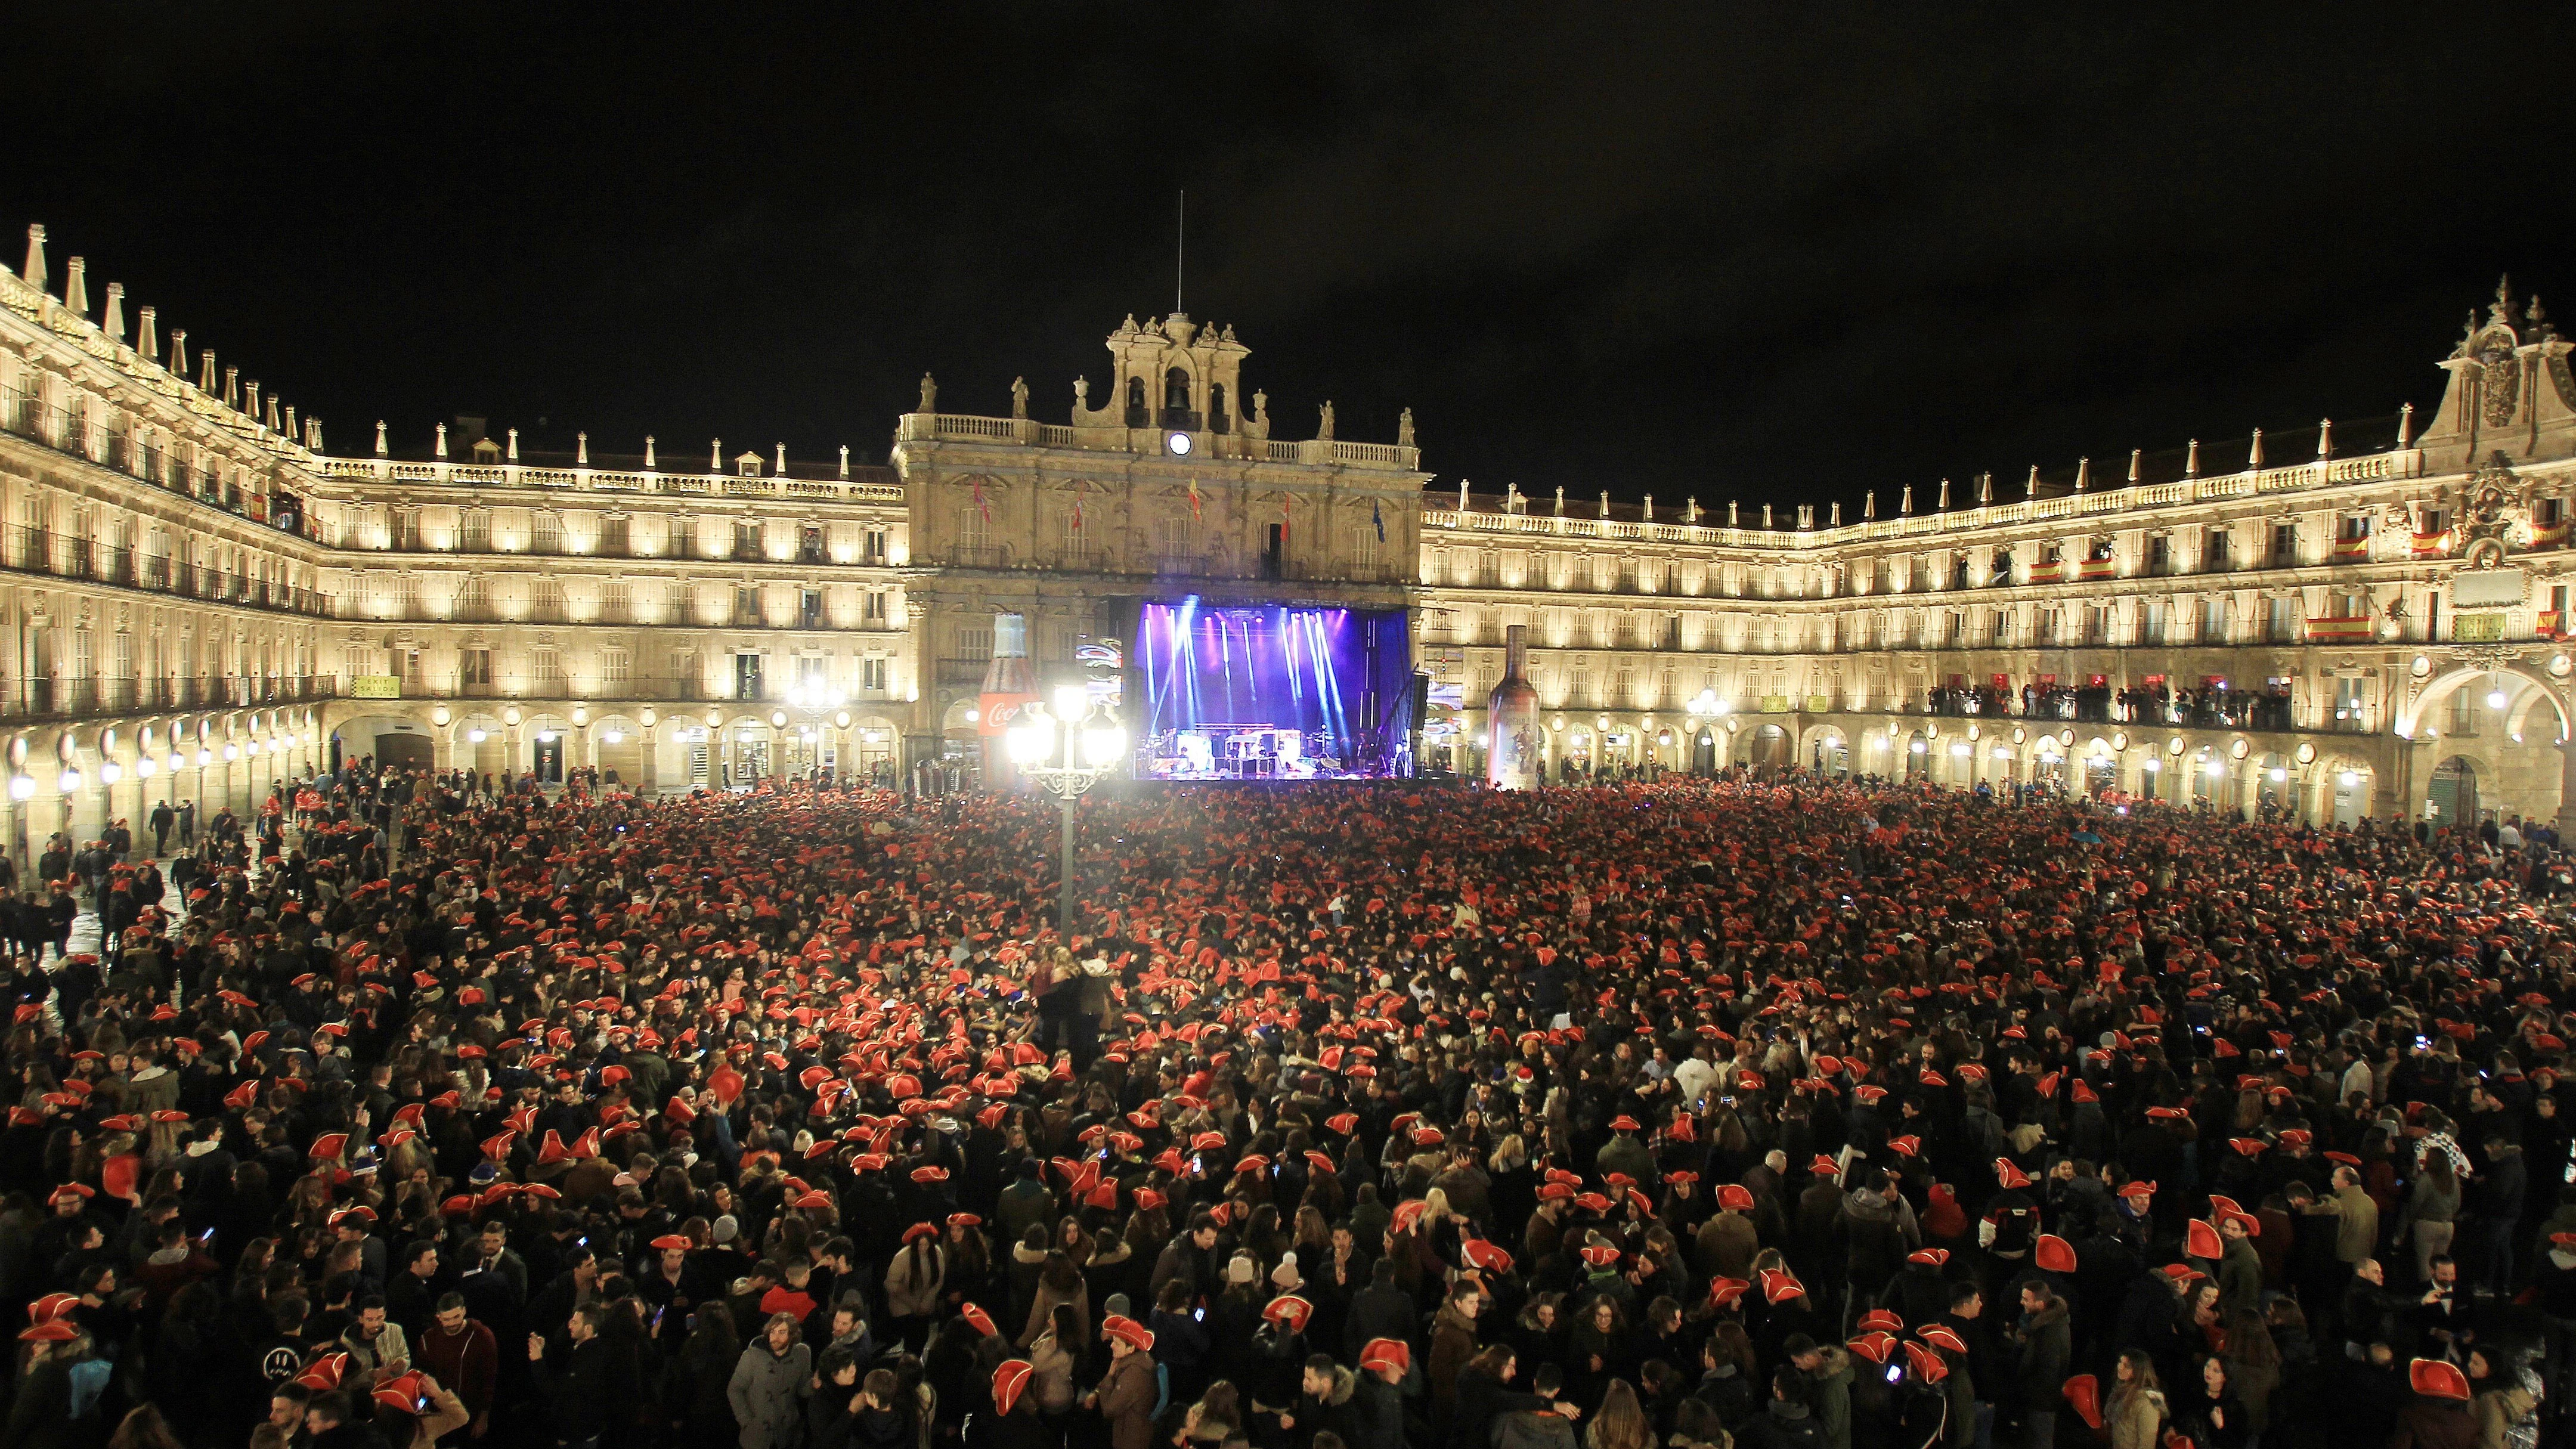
x=207 y=597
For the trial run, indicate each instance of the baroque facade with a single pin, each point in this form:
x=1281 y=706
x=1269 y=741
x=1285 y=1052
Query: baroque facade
x=207 y=598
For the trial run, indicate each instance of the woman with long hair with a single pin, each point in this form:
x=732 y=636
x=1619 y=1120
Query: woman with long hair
x=2253 y=1368
x=693 y=1388
x=913 y=1283
x=2431 y=1205
x=1622 y=1421
x=1060 y=1285
x=2209 y=1406
x=1054 y=1356
x=970 y=1260
x=2137 y=1412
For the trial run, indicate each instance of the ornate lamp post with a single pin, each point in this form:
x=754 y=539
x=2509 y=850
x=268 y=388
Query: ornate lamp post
x=817 y=707
x=1066 y=753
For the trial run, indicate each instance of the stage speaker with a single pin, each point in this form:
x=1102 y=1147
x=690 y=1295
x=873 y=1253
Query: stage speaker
x=1421 y=698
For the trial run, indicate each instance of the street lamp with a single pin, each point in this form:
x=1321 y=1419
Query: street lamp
x=814 y=702
x=1067 y=753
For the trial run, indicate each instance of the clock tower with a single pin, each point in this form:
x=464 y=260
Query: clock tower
x=1175 y=388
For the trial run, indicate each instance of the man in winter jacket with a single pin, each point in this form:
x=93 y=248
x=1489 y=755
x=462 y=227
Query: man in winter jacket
x=1787 y=1422
x=1828 y=1373
x=1323 y=1404
x=2044 y=1345
x=574 y=1382
x=769 y=1384
x=1377 y=1399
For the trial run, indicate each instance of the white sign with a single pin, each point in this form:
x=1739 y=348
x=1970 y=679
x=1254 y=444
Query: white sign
x=2474 y=588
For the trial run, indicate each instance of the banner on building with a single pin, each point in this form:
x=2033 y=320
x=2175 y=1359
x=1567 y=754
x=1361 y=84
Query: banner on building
x=376 y=686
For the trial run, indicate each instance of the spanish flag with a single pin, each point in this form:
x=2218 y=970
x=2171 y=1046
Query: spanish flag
x=2339 y=630
x=1194 y=501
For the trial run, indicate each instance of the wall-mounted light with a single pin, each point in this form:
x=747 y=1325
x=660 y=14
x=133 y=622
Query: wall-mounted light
x=70 y=781
x=613 y=735
x=146 y=768
x=109 y=772
x=475 y=735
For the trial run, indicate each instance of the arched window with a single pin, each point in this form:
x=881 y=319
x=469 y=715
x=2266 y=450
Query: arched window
x=1216 y=407
x=1176 y=390
x=1136 y=402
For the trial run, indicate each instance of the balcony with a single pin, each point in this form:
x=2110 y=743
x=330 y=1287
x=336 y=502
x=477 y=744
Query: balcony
x=68 y=556
x=72 y=435
x=73 y=696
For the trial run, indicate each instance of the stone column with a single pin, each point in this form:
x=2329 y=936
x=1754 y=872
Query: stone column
x=2566 y=822
x=648 y=773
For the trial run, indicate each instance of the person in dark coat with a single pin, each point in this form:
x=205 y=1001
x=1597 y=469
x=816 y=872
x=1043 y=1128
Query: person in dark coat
x=1785 y=1422
x=1482 y=1398
x=2042 y=1345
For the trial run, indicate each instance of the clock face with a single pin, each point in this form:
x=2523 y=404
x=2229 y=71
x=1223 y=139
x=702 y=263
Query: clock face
x=1179 y=443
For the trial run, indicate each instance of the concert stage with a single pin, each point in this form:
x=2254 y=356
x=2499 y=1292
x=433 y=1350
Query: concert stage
x=1272 y=692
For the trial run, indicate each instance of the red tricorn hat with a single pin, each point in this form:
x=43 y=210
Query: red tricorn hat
x=1387 y=1353
x=2200 y=1240
x=323 y=1374
x=2053 y=1254
x=1289 y=1312
x=1779 y=1285
x=1735 y=1196
x=2438 y=1379
x=402 y=1391
x=1009 y=1380
x=2085 y=1393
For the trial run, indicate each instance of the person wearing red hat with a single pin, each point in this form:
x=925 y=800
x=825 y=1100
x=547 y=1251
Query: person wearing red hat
x=2438 y=1416
x=2240 y=1265
x=1726 y=1243
x=1126 y=1395
x=1014 y=1422
x=2011 y=1221
x=1625 y=1152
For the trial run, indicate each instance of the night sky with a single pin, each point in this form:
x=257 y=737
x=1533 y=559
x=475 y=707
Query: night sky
x=1723 y=250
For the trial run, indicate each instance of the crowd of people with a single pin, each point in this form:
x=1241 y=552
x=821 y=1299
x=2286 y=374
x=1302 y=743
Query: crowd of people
x=1798 y=1115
